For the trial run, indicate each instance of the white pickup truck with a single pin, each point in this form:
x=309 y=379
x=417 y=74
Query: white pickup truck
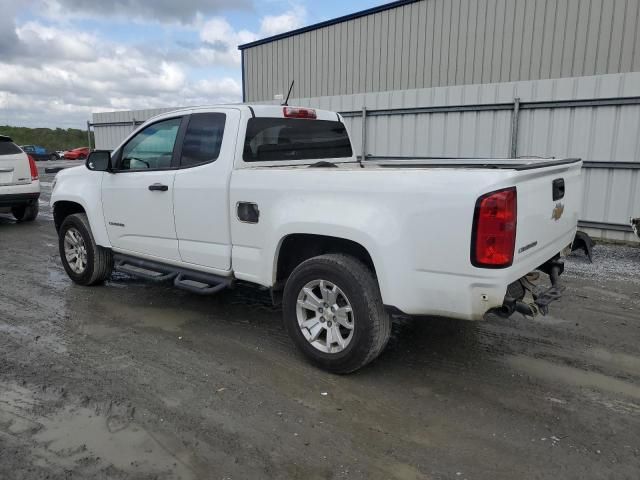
x=275 y=196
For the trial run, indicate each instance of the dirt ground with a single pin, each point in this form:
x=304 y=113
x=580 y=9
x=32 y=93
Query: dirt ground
x=133 y=380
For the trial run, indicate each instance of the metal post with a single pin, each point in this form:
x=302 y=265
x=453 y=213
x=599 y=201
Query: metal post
x=363 y=150
x=133 y=124
x=89 y=133
x=514 y=127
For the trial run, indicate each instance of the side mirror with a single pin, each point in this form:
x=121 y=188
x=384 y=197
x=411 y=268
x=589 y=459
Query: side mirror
x=99 y=161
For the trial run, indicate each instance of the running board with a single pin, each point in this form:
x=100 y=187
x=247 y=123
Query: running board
x=193 y=281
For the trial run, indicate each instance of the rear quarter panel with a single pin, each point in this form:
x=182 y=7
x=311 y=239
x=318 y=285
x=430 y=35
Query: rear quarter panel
x=407 y=220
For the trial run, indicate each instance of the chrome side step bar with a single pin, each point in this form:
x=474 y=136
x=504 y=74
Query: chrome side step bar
x=193 y=281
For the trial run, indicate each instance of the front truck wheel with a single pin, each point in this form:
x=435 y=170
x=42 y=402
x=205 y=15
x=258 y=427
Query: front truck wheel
x=26 y=213
x=85 y=262
x=334 y=313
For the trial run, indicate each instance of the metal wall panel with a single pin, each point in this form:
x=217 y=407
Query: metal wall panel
x=431 y=43
x=602 y=134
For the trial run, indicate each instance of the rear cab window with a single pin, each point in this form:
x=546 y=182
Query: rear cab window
x=293 y=139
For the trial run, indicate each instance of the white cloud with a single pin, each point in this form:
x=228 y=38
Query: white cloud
x=51 y=77
x=36 y=42
x=275 y=24
x=220 y=40
x=65 y=78
x=166 y=11
x=219 y=43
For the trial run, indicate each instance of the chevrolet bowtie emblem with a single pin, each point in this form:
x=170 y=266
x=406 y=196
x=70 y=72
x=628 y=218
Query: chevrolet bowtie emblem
x=557 y=212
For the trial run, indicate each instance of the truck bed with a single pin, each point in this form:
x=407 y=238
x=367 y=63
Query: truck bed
x=417 y=226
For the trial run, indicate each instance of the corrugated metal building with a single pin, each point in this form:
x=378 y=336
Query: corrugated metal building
x=433 y=43
x=420 y=78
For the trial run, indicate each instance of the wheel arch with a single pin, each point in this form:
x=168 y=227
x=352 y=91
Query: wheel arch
x=295 y=248
x=62 y=209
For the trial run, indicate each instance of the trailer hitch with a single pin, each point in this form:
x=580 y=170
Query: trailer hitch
x=541 y=296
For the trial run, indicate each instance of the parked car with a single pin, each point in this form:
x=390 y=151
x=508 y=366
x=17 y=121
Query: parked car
x=60 y=154
x=39 y=153
x=77 y=153
x=19 y=182
x=276 y=196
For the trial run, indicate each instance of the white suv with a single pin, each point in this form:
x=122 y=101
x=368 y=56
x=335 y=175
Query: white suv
x=19 y=183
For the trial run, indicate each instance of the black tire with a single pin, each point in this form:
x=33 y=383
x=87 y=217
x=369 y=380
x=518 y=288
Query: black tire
x=53 y=157
x=99 y=263
x=26 y=213
x=372 y=324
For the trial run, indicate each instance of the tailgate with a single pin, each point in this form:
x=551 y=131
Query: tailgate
x=549 y=202
x=14 y=164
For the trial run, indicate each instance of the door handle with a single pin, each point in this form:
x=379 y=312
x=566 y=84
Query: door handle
x=158 y=187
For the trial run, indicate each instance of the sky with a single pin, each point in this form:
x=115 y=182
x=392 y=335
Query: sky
x=62 y=60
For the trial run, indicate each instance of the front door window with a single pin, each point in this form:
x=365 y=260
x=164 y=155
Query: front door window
x=151 y=148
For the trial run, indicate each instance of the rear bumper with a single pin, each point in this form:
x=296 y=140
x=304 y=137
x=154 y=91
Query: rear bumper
x=17 y=199
x=468 y=296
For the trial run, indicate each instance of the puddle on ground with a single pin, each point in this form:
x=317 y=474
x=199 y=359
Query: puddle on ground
x=606 y=292
x=44 y=340
x=58 y=277
x=403 y=471
x=76 y=434
x=548 y=320
x=617 y=360
x=164 y=318
x=573 y=376
x=79 y=435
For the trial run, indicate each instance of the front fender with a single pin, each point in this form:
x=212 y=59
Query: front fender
x=84 y=187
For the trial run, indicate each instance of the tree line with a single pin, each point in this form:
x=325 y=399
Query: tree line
x=51 y=139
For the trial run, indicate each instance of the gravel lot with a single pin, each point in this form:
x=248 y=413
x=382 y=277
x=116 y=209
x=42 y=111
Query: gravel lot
x=138 y=381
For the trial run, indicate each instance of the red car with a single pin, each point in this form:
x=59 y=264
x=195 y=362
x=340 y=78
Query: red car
x=77 y=153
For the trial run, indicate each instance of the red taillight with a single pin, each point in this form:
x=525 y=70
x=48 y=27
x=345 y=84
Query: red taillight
x=34 y=169
x=494 y=229
x=295 y=112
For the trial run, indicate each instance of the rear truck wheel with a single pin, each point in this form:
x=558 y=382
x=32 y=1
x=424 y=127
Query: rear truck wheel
x=333 y=311
x=85 y=262
x=26 y=213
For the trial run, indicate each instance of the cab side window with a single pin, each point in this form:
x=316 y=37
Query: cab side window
x=203 y=139
x=152 y=148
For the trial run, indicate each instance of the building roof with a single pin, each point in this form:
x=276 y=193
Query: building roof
x=326 y=23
